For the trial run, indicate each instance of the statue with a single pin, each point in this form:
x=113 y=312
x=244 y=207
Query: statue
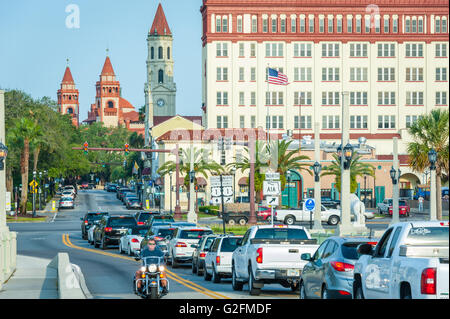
x=358 y=210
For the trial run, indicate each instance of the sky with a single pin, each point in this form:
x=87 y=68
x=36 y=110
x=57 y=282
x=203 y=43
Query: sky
x=37 y=38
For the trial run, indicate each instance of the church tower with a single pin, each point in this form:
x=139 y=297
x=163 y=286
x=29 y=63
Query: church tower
x=68 y=97
x=160 y=89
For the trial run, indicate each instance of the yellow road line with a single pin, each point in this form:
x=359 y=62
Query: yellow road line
x=182 y=281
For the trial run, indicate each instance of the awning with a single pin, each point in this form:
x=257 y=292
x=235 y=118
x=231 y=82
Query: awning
x=201 y=181
x=243 y=181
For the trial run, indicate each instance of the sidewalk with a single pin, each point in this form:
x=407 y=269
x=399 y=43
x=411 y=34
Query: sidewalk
x=31 y=280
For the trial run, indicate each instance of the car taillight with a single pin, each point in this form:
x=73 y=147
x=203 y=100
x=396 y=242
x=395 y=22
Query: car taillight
x=428 y=281
x=202 y=255
x=134 y=240
x=259 y=257
x=373 y=243
x=86 y=222
x=217 y=260
x=340 y=266
x=141 y=223
x=344 y=293
x=180 y=244
x=108 y=229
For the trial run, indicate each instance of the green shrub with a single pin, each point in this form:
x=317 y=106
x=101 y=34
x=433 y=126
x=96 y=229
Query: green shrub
x=210 y=210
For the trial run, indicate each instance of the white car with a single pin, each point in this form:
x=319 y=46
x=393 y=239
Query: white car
x=130 y=243
x=90 y=233
x=218 y=259
x=183 y=243
x=67 y=193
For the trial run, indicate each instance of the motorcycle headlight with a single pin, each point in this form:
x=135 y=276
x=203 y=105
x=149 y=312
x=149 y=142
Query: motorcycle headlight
x=143 y=269
x=162 y=268
x=152 y=268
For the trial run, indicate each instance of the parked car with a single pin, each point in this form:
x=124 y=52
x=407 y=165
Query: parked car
x=403 y=208
x=270 y=254
x=130 y=242
x=71 y=188
x=121 y=191
x=88 y=221
x=199 y=254
x=180 y=249
x=66 y=202
x=329 y=272
x=409 y=262
x=383 y=207
x=111 y=228
x=217 y=262
x=133 y=203
x=128 y=195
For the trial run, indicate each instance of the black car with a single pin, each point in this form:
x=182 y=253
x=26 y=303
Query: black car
x=88 y=220
x=111 y=228
x=161 y=218
x=111 y=188
x=143 y=217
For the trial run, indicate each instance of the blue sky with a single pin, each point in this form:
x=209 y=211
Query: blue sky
x=35 y=43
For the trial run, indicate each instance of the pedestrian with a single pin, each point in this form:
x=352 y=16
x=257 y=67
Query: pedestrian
x=420 y=204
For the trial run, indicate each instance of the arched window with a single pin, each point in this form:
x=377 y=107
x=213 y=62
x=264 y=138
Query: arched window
x=160 y=53
x=160 y=76
x=168 y=53
x=152 y=53
x=69 y=110
x=110 y=104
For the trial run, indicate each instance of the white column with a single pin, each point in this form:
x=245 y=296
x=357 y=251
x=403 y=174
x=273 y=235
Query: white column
x=317 y=213
x=192 y=216
x=396 y=189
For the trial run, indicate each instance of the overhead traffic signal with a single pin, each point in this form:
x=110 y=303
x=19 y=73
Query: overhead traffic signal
x=127 y=149
x=85 y=147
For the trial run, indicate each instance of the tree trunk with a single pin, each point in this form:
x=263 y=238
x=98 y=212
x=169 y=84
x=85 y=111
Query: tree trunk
x=9 y=180
x=24 y=158
x=36 y=152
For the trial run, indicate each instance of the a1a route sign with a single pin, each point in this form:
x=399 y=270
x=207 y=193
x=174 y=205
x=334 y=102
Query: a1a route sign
x=272 y=188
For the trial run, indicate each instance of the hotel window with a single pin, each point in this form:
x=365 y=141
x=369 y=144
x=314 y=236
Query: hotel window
x=339 y=25
x=311 y=25
x=302 y=24
x=302 y=98
x=386 y=98
x=414 y=50
x=253 y=74
x=283 y=25
x=303 y=74
x=241 y=98
x=302 y=50
x=414 y=98
x=330 y=74
x=253 y=121
x=222 y=74
x=441 y=98
x=441 y=50
x=241 y=49
x=386 y=74
x=358 y=24
x=265 y=25
x=358 y=98
x=252 y=50
x=330 y=49
x=408 y=25
x=377 y=24
x=274 y=25
x=239 y=24
x=414 y=74
x=330 y=98
x=321 y=25
x=222 y=98
x=254 y=25
x=349 y=24
x=222 y=121
x=358 y=50
x=420 y=25
x=218 y=24
x=358 y=74
x=242 y=121
x=330 y=122
x=367 y=24
x=305 y=122
x=386 y=121
x=274 y=49
x=441 y=74
x=252 y=98
x=222 y=49
x=386 y=24
x=274 y=98
x=414 y=25
x=411 y=119
x=395 y=25
x=293 y=24
x=330 y=24
x=444 y=25
x=358 y=121
x=241 y=74
x=386 y=49
x=224 y=24
x=274 y=122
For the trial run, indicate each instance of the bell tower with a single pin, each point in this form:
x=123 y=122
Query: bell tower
x=68 y=97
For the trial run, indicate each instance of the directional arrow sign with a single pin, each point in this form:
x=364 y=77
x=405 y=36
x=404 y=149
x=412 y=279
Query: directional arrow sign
x=271 y=188
x=33 y=183
x=272 y=200
x=227 y=200
x=310 y=204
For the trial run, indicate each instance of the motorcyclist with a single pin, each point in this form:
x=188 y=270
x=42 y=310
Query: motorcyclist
x=151 y=250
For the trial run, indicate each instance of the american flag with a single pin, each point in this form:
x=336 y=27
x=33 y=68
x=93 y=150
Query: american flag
x=277 y=78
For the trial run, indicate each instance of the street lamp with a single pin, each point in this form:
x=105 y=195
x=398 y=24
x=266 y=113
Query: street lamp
x=432 y=158
x=3 y=155
x=317 y=168
x=392 y=172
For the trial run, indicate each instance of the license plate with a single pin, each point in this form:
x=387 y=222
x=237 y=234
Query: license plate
x=293 y=273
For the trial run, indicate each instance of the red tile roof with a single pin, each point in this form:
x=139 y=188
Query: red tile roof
x=107 y=67
x=68 y=76
x=124 y=104
x=160 y=25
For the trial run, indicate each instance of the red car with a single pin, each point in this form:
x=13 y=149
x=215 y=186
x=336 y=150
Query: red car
x=84 y=185
x=403 y=208
x=265 y=213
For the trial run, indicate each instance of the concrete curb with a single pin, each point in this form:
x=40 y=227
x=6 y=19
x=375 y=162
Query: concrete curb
x=71 y=283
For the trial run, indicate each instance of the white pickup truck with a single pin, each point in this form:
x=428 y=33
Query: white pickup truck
x=409 y=262
x=270 y=254
x=290 y=216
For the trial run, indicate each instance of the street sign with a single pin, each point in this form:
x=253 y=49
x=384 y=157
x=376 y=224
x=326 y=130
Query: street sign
x=228 y=191
x=216 y=192
x=272 y=177
x=216 y=200
x=272 y=200
x=227 y=199
x=33 y=183
x=271 y=188
x=310 y=204
x=214 y=181
x=227 y=181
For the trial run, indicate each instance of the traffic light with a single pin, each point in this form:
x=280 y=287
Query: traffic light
x=127 y=149
x=85 y=147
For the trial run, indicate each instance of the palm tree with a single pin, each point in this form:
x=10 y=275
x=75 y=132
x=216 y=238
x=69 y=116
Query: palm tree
x=357 y=168
x=24 y=132
x=431 y=132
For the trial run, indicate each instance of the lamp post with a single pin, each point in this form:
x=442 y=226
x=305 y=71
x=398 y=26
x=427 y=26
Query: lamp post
x=395 y=175
x=317 y=168
x=233 y=172
x=432 y=158
x=34 y=195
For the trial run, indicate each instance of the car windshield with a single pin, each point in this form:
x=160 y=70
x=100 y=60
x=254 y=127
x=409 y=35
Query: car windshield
x=229 y=244
x=122 y=222
x=164 y=232
x=165 y=218
x=432 y=236
x=97 y=216
x=349 y=250
x=161 y=224
x=64 y=199
x=140 y=231
x=135 y=200
x=402 y=203
x=281 y=233
x=194 y=233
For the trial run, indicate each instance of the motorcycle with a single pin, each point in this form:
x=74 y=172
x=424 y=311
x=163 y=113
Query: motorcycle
x=152 y=272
